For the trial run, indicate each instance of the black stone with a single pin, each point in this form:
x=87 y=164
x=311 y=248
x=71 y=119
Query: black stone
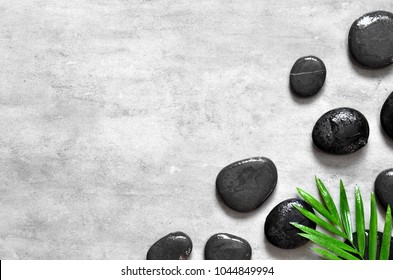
x=174 y=246
x=383 y=188
x=379 y=242
x=370 y=39
x=278 y=229
x=307 y=76
x=341 y=131
x=225 y=246
x=244 y=185
x=387 y=116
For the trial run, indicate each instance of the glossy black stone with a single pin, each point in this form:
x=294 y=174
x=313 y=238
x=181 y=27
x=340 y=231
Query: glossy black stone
x=278 y=229
x=383 y=188
x=244 y=185
x=341 y=131
x=307 y=76
x=387 y=116
x=174 y=246
x=225 y=246
x=370 y=39
x=379 y=242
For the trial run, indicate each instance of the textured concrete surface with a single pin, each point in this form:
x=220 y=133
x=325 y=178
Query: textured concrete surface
x=116 y=117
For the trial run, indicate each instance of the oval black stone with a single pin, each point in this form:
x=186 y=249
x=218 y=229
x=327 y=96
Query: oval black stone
x=307 y=76
x=244 y=185
x=341 y=131
x=379 y=242
x=370 y=39
x=383 y=188
x=387 y=116
x=278 y=229
x=174 y=246
x=225 y=246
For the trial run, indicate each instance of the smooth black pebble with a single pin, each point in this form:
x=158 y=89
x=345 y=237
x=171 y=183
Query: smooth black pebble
x=379 y=242
x=307 y=76
x=383 y=188
x=278 y=229
x=370 y=39
x=174 y=246
x=244 y=185
x=341 y=131
x=225 y=246
x=387 y=116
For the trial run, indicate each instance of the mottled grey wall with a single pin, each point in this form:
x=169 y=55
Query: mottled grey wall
x=116 y=117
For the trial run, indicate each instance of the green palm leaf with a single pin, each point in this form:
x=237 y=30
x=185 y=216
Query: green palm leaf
x=360 y=227
x=387 y=231
x=372 y=235
x=326 y=254
x=325 y=240
x=316 y=205
x=345 y=212
x=327 y=198
x=320 y=222
x=341 y=226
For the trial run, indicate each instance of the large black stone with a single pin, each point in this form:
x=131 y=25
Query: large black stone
x=174 y=246
x=341 y=131
x=379 y=242
x=387 y=116
x=383 y=188
x=225 y=246
x=244 y=185
x=307 y=76
x=370 y=39
x=278 y=229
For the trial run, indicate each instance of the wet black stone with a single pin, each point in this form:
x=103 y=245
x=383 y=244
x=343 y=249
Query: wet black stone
x=383 y=188
x=225 y=246
x=174 y=246
x=341 y=131
x=370 y=39
x=278 y=229
x=244 y=185
x=379 y=242
x=307 y=76
x=387 y=116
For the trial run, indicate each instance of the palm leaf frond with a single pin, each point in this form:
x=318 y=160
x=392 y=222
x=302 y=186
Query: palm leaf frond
x=340 y=224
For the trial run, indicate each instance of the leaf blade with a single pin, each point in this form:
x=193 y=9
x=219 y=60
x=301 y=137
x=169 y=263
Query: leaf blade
x=360 y=225
x=327 y=198
x=314 y=203
x=320 y=222
x=386 y=237
x=345 y=213
x=372 y=235
x=325 y=238
x=326 y=254
x=329 y=246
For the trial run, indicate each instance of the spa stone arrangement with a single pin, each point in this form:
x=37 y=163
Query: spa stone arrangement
x=245 y=185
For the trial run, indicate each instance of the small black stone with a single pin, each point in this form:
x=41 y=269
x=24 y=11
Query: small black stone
x=370 y=39
x=387 y=116
x=278 y=229
x=379 y=242
x=244 y=185
x=383 y=187
x=307 y=76
x=174 y=246
x=341 y=131
x=225 y=246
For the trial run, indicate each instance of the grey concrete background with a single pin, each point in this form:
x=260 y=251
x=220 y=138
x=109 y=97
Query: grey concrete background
x=116 y=117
